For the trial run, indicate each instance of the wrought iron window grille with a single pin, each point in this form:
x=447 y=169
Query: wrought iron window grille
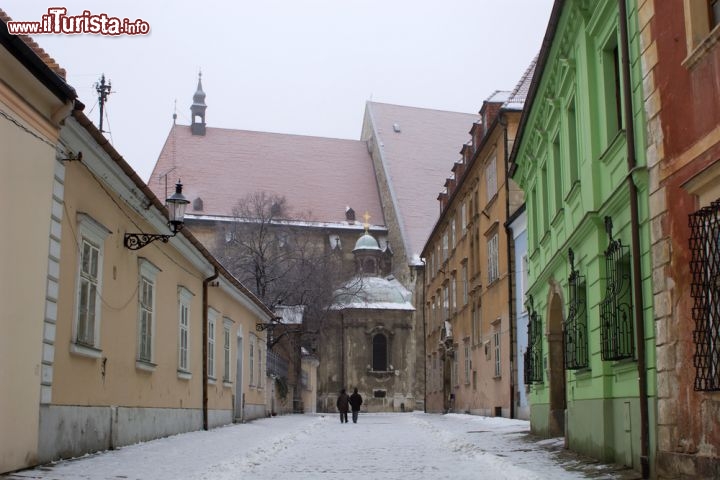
x=575 y=334
x=616 y=320
x=533 y=354
x=705 y=291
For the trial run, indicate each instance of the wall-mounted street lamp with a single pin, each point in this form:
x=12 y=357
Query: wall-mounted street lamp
x=176 y=213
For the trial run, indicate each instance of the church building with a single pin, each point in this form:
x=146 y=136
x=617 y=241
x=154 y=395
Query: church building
x=402 y=154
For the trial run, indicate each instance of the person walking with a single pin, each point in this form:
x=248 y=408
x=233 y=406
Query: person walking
x=355 y=402
x=343 y=403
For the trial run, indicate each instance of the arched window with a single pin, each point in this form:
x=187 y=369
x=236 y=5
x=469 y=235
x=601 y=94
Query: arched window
x=380 y=353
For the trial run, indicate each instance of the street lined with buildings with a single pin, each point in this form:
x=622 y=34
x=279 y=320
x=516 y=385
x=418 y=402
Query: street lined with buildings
x=388 y=446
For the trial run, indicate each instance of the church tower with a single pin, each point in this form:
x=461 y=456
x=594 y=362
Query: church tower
x=197 y=110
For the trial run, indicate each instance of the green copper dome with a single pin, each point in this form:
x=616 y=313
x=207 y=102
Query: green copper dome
x=366 y=242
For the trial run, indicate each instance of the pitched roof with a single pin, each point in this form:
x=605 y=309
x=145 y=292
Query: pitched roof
x=33 y=45
x=416 y=160
x=319 y=176
x=517 y=98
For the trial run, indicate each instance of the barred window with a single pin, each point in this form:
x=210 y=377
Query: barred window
x=616 y=320
x=705 y=291
x=533 y=354
x=576 y=341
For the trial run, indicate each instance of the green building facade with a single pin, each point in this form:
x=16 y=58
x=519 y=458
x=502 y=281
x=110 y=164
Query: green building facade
x=579 y=157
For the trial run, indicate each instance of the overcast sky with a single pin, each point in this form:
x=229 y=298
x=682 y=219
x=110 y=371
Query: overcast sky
x=290 y=66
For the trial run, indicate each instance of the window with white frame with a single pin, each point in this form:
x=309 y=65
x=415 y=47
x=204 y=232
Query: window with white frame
x=146 y=314
x=260 y=365
x=212 y=322
x=227 y=325
x=184 y=300
x=492 y=249
x=491 y=178
x=463 y=217
x=252 y=360
x=91 y=239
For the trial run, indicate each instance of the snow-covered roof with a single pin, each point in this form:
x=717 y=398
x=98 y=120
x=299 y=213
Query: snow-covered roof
x=516 y=100
x=373 y=293
x=291 y=314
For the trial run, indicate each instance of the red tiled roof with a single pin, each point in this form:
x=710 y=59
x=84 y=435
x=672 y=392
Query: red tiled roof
x=318 y=175
x=416 y=160
x=42 y=54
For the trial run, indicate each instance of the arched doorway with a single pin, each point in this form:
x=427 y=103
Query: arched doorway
x=556 y=367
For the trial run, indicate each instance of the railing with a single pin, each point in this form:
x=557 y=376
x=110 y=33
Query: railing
x=276 y=365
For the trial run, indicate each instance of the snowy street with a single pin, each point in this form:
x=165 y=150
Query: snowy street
x=387 y=446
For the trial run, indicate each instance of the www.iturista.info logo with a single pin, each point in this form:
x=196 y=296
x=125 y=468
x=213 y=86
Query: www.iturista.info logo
x=57 y=21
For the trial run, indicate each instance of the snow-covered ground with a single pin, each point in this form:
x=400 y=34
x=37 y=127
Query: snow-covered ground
x=379 y=446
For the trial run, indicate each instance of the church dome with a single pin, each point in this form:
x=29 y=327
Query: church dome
x=366 y=242
x=373 y=293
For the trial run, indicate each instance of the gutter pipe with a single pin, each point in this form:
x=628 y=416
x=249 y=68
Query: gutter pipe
x=635 y=240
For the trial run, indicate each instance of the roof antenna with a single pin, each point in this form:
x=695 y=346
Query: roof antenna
x=103 y=91
x=175 y=112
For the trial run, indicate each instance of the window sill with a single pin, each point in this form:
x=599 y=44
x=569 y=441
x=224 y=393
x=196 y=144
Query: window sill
x=574 y=191
x=85 y=350
x=227 y=384
x=184 y=375
x=555 y=222
x=212 y=380
x=702 y=48
x=145 y=366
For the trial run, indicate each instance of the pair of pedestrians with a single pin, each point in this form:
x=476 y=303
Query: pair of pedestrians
x=345 y=402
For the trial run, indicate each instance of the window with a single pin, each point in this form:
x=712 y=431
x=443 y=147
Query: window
x=184 y=299
x=611 y=87
x=380 y=353
x=452 y=232
x=86 y=325
x=572 y=139
x=464 y=281
x=705 y=291
x=446 y=300
x=491 y=178
x=476 y=325
x=260 y=365
x=616 y=317
x=454 y=371
x=146 y=315
x=533 y=356
x=492 y=247
x=212 y=317
x=227 y=324
x=445 y=246
x=87 y=301
x=467 y=363
x=557 y=168
x=496 y=345
x=453 y=294
x=463 y=217
x=252 y=360
x=701 y=18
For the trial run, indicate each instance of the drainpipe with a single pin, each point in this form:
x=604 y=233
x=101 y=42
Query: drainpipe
x=635 y=239
x=508 y=239
x=206 y=282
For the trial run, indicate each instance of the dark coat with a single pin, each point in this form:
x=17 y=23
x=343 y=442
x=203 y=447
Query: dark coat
x=355 y=402
x=343 y=402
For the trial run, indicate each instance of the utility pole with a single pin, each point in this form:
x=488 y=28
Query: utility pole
x=103 y=91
